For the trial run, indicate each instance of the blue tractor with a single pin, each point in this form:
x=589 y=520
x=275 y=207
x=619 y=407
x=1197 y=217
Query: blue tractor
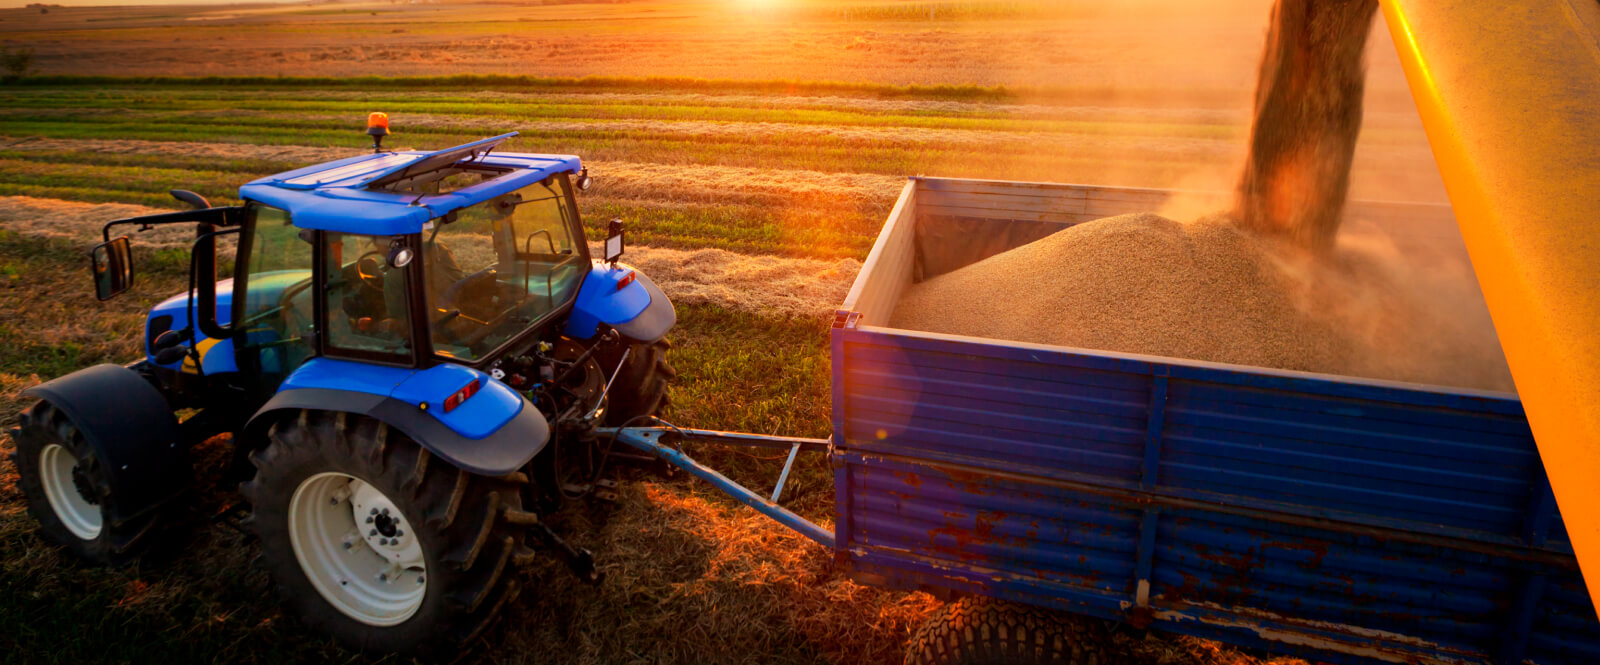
x=412 y=356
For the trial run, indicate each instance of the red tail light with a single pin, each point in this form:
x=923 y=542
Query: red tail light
x=626 y=280
x=453 y=401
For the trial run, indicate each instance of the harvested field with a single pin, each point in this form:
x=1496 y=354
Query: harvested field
x=671 y=182
x=1209 y=291
x=762 y=285
x=751 y=201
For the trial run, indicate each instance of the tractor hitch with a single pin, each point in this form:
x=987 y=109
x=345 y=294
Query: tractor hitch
x=580 y=560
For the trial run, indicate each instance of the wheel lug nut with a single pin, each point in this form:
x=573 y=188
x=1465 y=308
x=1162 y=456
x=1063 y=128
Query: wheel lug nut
x=374 y=532
x=383 y=577
x=399 y=533
x=386 y=511
x=333 y=502
x=349 y=545
x=374 y=511
x=420 y=579
x=369 y=520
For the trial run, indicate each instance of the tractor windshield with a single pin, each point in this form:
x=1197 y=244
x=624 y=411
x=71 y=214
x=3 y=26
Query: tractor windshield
x=496 y=268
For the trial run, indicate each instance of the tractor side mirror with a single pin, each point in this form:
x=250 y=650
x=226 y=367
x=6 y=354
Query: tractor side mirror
x=614 y=241
x=112 y=266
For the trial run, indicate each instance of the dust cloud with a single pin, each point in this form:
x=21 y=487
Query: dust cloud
x=1289 y=277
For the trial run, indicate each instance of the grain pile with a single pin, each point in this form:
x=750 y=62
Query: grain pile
x=1208 y=290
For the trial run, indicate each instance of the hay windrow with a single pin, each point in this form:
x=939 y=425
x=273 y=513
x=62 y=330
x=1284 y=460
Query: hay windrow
x=74 y=220
x=757 y=284
x=684 y=182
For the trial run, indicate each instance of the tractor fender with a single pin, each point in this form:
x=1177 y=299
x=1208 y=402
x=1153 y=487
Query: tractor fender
x=624 y=299
x=130 y=427
x=497 y=453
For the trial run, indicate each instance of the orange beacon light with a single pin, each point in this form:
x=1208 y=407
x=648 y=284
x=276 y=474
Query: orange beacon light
x=377 y=128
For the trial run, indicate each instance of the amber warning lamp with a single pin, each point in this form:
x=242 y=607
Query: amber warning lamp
x=377 y=128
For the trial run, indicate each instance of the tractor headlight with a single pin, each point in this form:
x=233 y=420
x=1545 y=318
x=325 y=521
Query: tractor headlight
x=400 y=255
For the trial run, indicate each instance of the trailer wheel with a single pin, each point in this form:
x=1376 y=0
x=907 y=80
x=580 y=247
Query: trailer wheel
x=984 y=631
x=69 y=491
x=641 y=387
x=373 y=541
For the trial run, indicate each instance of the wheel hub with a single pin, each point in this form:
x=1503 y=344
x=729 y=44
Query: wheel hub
x=80 y=482
x=357 y=548
x=384 y=530
x=69 y=492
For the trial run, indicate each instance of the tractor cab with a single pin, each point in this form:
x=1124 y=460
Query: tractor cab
x=404 y=259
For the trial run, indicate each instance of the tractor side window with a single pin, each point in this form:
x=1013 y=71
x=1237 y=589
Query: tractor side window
x=366 y=299
x=497 y=267
x=277 y=300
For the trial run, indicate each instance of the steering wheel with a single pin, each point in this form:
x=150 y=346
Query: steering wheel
x=370 y=268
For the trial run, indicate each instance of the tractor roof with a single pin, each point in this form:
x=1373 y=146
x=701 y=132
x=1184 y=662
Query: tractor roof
x=348 y=195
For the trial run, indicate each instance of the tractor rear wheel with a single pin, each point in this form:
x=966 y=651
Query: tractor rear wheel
x=984 y=631
x=373 y=541
x=69 y=491
x=641 y=387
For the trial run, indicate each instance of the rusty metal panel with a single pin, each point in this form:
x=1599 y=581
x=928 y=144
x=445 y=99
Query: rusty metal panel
x=1343 y=520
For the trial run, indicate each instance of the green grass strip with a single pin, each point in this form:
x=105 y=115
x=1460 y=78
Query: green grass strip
x=520 y=83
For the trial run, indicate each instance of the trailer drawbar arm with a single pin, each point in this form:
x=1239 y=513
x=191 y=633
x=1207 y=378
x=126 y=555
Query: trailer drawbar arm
x=650 y=440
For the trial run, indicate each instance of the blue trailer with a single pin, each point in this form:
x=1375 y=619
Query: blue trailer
x=1339 y=519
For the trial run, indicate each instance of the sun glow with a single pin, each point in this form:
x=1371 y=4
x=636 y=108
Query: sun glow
x=759 y=5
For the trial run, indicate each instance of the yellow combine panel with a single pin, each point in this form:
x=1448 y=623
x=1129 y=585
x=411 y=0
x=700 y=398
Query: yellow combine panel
x=1508 y=92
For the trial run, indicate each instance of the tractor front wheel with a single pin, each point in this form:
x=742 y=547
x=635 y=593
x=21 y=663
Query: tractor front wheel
x=640 y=388
x=375 y=542
x=69 y=491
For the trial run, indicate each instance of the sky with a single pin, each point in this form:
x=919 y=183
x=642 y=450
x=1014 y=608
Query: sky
x=106 y=3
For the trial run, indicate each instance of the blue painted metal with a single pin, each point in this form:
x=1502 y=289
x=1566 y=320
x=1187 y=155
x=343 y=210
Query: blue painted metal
x=600 y=301
x=334 y=196
x=336 y=374
x=648 y=439
x=494 y=405
x=1338 y=519
x=216 y=357
x=777 y=492
x=478 y=417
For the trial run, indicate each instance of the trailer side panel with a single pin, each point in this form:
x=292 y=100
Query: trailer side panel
x=1339 y=519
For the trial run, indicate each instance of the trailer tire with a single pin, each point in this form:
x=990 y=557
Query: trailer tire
x=984 y=631
x=318 y=470
x=69 y=491
x=641 y=387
